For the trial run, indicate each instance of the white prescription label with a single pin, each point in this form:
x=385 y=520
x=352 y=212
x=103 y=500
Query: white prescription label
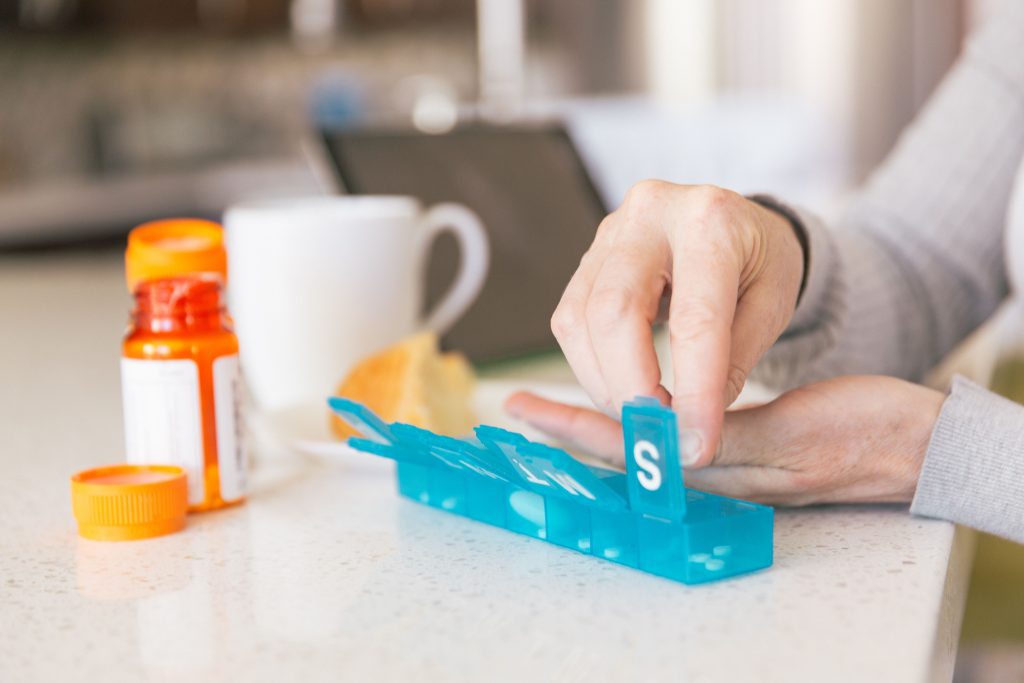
x=232 y=457
x=163 y=424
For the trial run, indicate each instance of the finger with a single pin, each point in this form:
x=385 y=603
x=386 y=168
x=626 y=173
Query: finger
x=568 y=323
x=621 y=310
x=769 y=485
x=705 y=283
x=587 y=429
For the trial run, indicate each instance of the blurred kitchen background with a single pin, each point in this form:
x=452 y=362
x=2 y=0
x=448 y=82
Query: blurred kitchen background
x=114 y=111
x=117 y=111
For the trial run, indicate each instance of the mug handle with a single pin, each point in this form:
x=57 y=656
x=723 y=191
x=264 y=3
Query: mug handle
x=474 y=259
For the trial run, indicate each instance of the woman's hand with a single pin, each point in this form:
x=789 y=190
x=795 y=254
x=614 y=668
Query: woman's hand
x=729 y=271
x=849 y=439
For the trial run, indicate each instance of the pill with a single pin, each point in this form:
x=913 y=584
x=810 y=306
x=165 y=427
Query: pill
x=713 y=565
x=528 y=505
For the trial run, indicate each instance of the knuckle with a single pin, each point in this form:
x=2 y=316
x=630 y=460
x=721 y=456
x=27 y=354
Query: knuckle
x=607 y=306
x=564 y=321
x=605 y=227
x=644 y=193
x=693 y=320
x=710 y=200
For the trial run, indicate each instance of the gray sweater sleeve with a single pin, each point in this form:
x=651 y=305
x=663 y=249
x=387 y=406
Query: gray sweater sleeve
x=916 y=263
x=973 y=473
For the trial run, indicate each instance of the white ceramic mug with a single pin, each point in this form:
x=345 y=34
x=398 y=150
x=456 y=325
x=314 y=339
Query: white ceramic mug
x=315 y=284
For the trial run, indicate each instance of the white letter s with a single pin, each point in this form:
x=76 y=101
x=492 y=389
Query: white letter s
x=646 y=457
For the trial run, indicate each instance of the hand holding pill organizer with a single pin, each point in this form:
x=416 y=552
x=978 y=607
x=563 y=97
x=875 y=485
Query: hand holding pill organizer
x=644 y=518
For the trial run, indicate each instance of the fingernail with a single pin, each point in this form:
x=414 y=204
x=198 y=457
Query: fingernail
x=691 y=445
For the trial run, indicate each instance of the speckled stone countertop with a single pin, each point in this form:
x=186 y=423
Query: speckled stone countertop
x=325 y=574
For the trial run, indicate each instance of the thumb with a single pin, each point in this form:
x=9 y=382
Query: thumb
x=752 y=335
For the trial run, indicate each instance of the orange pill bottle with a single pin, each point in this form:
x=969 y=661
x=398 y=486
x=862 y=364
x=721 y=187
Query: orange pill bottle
x=179 y=366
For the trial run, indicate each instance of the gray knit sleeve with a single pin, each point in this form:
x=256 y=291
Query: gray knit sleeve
x=916 y=262
x=973 y=472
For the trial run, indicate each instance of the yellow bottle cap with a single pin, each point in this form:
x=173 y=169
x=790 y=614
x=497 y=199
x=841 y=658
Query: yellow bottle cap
x=174 y=247
x=129 y=502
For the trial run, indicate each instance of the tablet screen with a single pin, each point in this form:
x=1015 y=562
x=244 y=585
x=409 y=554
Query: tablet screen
x=534 y=196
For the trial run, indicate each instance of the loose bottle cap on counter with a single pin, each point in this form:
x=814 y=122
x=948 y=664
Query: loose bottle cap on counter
x=173 y=247
x=129 y=502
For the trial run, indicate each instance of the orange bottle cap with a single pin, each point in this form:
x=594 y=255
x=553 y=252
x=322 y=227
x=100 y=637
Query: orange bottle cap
x=129 y=502
x=174 y=247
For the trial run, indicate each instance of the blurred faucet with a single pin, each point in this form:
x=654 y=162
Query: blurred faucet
x=501 y=45
x=315 y=23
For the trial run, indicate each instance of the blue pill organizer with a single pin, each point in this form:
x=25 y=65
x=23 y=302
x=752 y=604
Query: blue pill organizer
x=643 y=519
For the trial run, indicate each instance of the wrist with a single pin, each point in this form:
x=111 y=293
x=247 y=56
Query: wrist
x=918 y=423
